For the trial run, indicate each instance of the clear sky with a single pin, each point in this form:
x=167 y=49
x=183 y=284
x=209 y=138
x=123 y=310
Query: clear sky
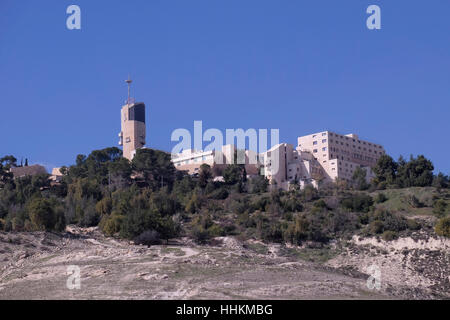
x=299 y=66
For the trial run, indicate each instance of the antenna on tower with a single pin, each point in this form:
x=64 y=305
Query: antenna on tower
x=129 y=81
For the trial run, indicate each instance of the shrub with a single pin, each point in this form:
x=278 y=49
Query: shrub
x=261 y=204
x=148 y=238
x=203 y=228
x=258 y=184
x=393 y=222
x=111 y=225
x=309 y=193
x=339 y=221
x=237 y=206
x=320 y=204
x=219 y=194
x=297 y=231
x=413 y=201
x=246 y=220
x=443 y=227
x=60 y=219
x=194 y=204
x=41 y=214
x=440 y=208
x=376 y=227
x=271 y=232
x=357 y=203
x=413 y=224
x=380 y=198
x=389 y=235
x=200 y=235
x=292 y=204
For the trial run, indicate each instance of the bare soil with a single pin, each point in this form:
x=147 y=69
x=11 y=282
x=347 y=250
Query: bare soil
x=35 y=266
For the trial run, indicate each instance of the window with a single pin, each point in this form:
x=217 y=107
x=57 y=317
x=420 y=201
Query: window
x=324 y=140
x=314 y=142
x=315 y=150
x=324 y=149
x=324 y=134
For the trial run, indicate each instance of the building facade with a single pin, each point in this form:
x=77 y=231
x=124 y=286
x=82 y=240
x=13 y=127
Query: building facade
x=285 y=166
x=339 y=155
x=132 y=134
x=318 y=158
x=191 y=160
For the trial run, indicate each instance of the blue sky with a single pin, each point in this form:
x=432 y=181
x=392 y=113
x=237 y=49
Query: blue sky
x=300 y=66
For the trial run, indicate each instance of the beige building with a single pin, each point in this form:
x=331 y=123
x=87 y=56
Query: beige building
x=284 y=166
x=132 y=134
x=319 y=157
x=191 y=160
x=339 y=155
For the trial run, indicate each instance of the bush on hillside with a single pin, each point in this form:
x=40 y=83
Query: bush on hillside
x=443 y=227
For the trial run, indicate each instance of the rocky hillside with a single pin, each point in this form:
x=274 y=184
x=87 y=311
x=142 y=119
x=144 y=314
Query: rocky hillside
x=35 y=266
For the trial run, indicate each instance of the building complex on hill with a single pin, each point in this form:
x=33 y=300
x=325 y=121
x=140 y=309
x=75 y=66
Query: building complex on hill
x=318 y=158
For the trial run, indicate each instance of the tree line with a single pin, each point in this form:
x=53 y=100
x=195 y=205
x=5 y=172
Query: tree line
x=147 y=200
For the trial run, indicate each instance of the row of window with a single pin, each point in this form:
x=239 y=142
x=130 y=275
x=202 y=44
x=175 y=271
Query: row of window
x=355 y=140
x=323 y=141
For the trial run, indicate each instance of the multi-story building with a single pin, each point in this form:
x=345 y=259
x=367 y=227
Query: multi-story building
x=284 y=166
x=319 y=157
x=339 y=155
x=132 y=134
x=190 y=160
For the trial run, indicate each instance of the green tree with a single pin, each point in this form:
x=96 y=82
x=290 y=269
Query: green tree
x=440 y=181
x=417 y=172
x=233 y=174
x=359 y=179
x=385 y=170
x=155 y=167
x=42 y=214
x=205 y=174
x=443 y=227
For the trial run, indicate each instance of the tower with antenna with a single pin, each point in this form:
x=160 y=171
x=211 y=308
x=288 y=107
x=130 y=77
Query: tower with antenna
x=132 y=134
